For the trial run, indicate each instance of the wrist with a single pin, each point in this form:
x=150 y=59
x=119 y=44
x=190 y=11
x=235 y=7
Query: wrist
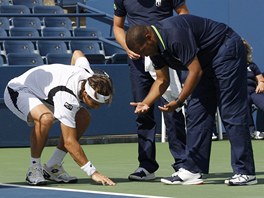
x=179 y=102
x=88 y=168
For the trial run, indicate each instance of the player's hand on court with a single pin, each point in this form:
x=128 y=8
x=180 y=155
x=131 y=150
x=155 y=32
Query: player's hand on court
x=99 y=178
x=170 y=107
x=140 y=107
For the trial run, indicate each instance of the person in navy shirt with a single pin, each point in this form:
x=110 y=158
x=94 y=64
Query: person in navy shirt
x=144 y=13
x=216 y=61
x=255 y=86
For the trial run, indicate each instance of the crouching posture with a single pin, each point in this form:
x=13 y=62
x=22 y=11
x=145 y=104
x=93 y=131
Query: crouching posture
x=47 y=93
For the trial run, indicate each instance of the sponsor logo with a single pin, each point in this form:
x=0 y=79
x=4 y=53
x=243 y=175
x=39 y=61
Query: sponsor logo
x=68 y=106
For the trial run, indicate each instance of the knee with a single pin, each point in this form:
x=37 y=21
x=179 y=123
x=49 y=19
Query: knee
x=46 y=119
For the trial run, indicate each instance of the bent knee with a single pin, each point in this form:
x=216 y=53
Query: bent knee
x=46 y=118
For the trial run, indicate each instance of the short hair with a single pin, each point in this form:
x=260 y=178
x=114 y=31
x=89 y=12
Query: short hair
x=136 y=37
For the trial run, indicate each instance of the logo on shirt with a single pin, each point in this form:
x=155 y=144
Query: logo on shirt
x=158 y=3
x=68 y=106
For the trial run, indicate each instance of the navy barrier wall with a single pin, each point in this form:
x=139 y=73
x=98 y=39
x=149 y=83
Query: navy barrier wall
x=116 y=119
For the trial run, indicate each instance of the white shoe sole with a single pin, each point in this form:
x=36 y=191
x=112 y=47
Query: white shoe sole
x=188 y=182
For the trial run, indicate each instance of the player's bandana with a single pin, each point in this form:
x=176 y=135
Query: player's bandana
x=96 y=96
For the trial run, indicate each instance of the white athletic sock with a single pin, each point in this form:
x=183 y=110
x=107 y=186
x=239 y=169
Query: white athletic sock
x=56 y=158
x=35 y=161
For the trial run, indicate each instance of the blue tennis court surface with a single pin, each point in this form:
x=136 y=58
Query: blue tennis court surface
x=19 y=191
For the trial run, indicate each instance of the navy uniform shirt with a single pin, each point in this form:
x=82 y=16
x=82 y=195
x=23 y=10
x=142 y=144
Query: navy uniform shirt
x=145 y=12
x=183 y=37
x=252 y=72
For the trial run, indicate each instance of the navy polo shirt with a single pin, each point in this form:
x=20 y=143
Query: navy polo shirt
x=145 y=12
x=183 y=37
x=252 y=72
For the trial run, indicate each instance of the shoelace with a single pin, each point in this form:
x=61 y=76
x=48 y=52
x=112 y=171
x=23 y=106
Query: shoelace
x=37 y=172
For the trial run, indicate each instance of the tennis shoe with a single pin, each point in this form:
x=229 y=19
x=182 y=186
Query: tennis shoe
x=177 y=172
x=35 y=176
x=241 y=180
x=58 y=174
x=183 y=177
x=257 y=135
x=141 y=174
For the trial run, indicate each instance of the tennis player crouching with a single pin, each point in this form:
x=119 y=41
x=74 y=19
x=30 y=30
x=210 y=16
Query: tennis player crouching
x=48 y=92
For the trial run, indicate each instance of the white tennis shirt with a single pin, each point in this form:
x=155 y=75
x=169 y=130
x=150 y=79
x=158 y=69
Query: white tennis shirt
x=58 y=84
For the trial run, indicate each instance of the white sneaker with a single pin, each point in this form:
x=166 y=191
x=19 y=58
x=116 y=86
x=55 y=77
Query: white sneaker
x=257 y=135
x=35 y=176
x=141 y=174
x=177 y=172
x=241 y=180
x=184 y=177
x=58 y=174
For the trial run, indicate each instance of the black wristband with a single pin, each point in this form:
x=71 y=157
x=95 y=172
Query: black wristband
x=179 y=102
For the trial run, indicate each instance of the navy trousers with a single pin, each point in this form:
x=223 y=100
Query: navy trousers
x=223 y=84
x=141 y=83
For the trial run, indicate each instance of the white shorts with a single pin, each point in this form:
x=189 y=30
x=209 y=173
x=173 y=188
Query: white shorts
x=21 y=103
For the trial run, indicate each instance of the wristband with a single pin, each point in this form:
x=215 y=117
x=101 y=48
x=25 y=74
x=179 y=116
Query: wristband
x=179 y=102
x=88 y=168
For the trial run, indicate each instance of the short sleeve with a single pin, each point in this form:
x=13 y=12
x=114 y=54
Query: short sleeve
x=158 y=62
x=184 y=48
x=83 y=62
x=254 y=68
x=119 y=8
x=65 y=108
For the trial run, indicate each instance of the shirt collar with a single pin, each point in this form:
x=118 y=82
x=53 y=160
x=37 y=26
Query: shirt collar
x=161 y=44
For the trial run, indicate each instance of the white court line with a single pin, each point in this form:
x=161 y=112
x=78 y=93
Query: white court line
x=82 y=191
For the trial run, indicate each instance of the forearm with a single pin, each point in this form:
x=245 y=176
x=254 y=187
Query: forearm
x=120 y=37
x=72 y=145
x=76 y=152
x=158 y=88
x=193 y=78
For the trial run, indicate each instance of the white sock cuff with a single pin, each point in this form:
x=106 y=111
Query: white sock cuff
x=88 y=168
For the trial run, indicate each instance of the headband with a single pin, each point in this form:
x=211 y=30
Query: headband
x=91 y=92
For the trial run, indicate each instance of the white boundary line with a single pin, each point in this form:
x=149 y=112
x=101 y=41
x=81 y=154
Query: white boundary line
x=82 y=191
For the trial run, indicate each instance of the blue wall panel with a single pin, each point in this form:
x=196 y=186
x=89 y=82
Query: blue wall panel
x=245 y=17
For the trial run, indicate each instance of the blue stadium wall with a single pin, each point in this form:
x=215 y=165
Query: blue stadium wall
x=242 y=15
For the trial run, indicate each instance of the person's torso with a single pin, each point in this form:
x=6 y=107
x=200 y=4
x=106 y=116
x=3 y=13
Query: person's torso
x=187 y=36
x=142 y=12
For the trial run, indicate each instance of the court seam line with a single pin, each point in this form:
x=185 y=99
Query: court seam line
x=82 y=191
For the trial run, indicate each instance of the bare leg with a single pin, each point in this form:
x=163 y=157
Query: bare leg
x=43 y=119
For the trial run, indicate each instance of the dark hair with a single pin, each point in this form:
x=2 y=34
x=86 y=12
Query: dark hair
x=136 y=37
x=249 y=50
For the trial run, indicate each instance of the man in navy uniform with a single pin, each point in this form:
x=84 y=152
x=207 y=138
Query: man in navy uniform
x=217 y=76
x=144 y=13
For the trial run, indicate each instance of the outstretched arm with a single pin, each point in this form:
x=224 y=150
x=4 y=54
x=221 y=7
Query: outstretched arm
x=193 y=78
x=74 y=148
x=158 y=88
